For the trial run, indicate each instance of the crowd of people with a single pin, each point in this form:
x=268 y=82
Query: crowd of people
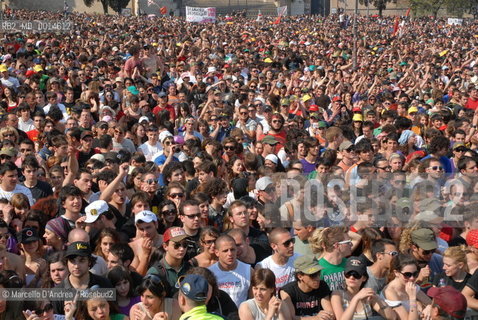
x=240 y=170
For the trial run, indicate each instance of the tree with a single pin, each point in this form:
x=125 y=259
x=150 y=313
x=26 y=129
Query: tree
x=117 y=5
x=104 y=3
x=379 y=4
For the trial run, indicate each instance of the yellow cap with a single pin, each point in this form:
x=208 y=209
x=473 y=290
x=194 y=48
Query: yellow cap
x=37 y=68
x=3 y=68
x=357 y=117
x=306 y=97
x=268 y=60
x=412 y=110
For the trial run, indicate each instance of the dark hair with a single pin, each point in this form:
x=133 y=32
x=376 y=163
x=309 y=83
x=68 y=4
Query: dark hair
x=118 y=274
x=123 y=251
x=187 y=203
x=30 y=161
x=209 y=276
x=153 y=283
x=378 y=246
x=66 y=191
x=265 y=276
x=7 y=166
x=399 y=262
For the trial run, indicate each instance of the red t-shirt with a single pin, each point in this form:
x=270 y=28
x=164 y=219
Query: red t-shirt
x=170 y=108
x=471 y=104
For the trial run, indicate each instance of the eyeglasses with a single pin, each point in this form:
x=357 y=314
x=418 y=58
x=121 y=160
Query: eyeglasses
x=182 y=244
x=354 y=274
x=64 y=167
x=392 y=253
x=243 y=113
x=8 y=134
x=288 y=242
x=348 y=242
x=387 y=168
x=460 y=150
x=192 y=216
x=177 y=195
x=169 y=212
x=408 y=275
x=5 y=236
x=437 y=168
x=229 y=147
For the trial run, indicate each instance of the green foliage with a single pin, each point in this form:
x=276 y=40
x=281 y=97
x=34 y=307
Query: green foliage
x=453 y=7
x=379 y=4
x=117 y=5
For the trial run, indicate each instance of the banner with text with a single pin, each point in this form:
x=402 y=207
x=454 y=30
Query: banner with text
x=455 y=21
x=35 y=26
x=201 y=15
x=282 y=11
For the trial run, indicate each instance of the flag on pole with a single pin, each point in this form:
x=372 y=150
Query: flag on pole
x=408 y=12
x=282 y=11
x=259 y=16
x=395 y=26
x=277 y=21
x=163 y=10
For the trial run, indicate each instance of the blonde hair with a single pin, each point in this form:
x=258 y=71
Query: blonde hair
x=324 y=239
x=458 y=254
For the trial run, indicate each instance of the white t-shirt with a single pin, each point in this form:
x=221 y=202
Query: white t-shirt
x=284 y=274
x=62 y=108
x=149 y=151
x=18 y=189
x=235 y=283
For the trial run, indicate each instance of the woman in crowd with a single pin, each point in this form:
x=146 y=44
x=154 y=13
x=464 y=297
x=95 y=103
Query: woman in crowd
x=57 y=270
x=120 y=278
x=106 y=239
x=207 y=257
x=455 y=269
x=402 y=293
x=265 y=305
x=153 y=300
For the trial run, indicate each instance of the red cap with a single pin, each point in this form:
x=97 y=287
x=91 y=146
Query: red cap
x=29 y=73
x=449 y=300
x=174 y=233
x=336 y=98
x=472 y=238
x=356 y=109
x=314 y=108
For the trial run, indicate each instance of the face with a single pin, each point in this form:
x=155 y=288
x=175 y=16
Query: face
x=51 y=238
x=284 y=245
x=106 y=244
x=238 y=166
x=122 y=288
x=408 y=274
x=150 y=301
x=169 y=213
x=119 y=195
x=98 y=309
x=9 y=179
x=84 y=182
x=209 y=244
x=58 y=272
x=435 y=169
x=240 y=217
x=178 y=175
x=262 y=293
x=150 y=183
x=177 y=250
x=311 y=280
x=226 y=252
x=386 y=257
x=72 y=204
x=191 y=217
x=345 y=247
x=78 y=266
x=451 y=266
x=301 y=232
x=147 y=230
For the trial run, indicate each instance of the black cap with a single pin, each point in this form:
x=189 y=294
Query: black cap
x=28 y=235
x=112 y=156
x=356 y=264
x=78 y=248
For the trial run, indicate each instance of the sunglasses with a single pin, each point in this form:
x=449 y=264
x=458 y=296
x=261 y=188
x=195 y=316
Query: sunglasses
x=354 y=274
x=182 y=244
x=392 y=253
x=427 y=252
x=437 y=168
x=387 y=168
x=345 y=242
x=314 y=275
x=208 y=242
x=460 y=150
x=48 y=307
x=154 y=279
x=5 y=236
x=177 y=195
x=288 y=242
x=169 y=212
x=151 y=181
x=269 y=189
x=193 y=216
x=229 y=148
x=408 y=275
x=243 y=113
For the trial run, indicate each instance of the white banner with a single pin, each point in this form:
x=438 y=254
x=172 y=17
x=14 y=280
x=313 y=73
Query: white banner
x=455 y=21
x=282 y=11
x=201 y=15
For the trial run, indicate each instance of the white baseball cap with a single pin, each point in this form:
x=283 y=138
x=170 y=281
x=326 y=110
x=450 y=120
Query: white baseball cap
x=95 y=209
x=145 y=216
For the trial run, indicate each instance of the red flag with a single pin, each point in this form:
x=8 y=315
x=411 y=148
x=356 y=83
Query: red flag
x=277 y=21
x=408 y=12
x=395 y=25
x=163 y=10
